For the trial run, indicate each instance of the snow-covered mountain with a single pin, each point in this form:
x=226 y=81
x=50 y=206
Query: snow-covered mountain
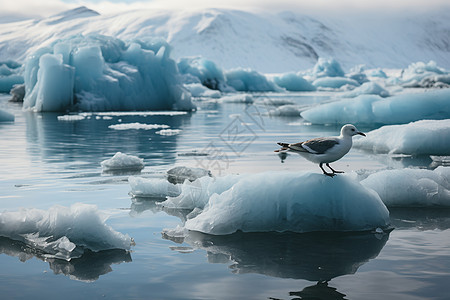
x=264 y=41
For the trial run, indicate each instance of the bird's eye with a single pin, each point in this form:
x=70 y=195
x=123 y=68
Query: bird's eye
x=353 y=129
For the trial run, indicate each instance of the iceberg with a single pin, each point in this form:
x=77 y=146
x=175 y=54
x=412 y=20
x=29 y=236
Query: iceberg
x=334 y=82
x=9 y=75
x=6 y=116
x=237 y=98
x=425 y=75
x=285 y=201
x=199 y=90
x=425 y=137
x=121 y=161
x=181 y=173
x=99 y=73
x=327 y=67
x=411 y=187
x=367 y=88
x=287 y=110
x=203 y=70
x=293 y=82
x=152 y=187
x=247 y=80
x=373 y=109
x=62 y=232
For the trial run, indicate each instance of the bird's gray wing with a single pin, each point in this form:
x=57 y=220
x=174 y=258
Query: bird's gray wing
x=317 y=145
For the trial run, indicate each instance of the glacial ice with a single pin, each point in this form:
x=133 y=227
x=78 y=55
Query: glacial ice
x=128 y=126
x=367 y=88
x=168 y=132
x=424 y=75
x=152 y=187
x=373 y=109
x=425 y=137
x=327 y=67
x=9 y=75
x=411 y=187
x=6 y=116
x=98 y=73
x=334 y=82
x=284 y=201
x=205 y=71
x=246 y=80
x=199 y=90
x=237 y=98
x=287 y=110
x=293 y=82
x=181 y=173
x=121 y=161
x=62 y=232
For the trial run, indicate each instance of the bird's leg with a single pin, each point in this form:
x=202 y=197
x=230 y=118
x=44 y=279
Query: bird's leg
x=325 y=172
x=334 y=171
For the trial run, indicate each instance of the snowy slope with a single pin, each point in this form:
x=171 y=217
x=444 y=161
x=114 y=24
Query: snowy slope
x=264 y=41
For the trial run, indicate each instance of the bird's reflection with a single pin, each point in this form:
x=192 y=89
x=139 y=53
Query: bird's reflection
x=318 y=256
x=89 y=267
x=319 y=291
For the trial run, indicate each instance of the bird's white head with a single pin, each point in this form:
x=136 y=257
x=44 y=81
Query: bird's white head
x=350 y=130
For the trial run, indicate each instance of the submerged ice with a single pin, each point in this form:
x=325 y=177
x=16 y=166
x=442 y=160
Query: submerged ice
x=99 y=73
x=62 y=232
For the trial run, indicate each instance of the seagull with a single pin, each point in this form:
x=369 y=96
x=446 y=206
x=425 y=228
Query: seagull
x=324 y=150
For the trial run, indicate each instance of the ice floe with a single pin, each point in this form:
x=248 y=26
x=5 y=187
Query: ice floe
x=181 y=173
x=246 y=80
x=121 y=161
x=62 y=232
x=128 y=126
x=298 y=202
x=411 y=187
x=425 y=137
x=372 y=109
x=293 y=82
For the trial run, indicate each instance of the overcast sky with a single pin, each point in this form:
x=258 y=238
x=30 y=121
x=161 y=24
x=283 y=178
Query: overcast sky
x=20 y=9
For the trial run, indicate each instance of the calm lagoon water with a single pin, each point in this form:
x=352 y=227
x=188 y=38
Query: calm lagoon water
x=47 y=161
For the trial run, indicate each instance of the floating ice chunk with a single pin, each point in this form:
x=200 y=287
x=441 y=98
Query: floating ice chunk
x=196 y=194
x=127 y=126
x=334 y=82
x=237 y=98
x=169 y=132
x=327 y=67
x=181 y=173
x=71 y=118
x=411 y=187
x=426 y=137
x=207 y=72
x=121 y=161
x=17 y=93
x=246 y=80
x=6 y=116
x=368 y=88
x=199 y=90
x=422 y=74
x=294 y=82
x=286 y=111
x=62 y=232
x=153 y=187
x=298 y=202
x=371 y=109
x=377 y=73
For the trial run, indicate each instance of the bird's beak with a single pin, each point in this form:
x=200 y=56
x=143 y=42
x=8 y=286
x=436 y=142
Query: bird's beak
x=361 y=133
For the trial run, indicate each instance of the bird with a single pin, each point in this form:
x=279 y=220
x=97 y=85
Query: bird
x=324 y=150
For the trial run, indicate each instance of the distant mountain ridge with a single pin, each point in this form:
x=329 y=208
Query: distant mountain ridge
x=264 y=41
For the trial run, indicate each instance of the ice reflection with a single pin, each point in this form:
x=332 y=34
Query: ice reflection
x=90 y=140
x=89 y=267
x=317 y=256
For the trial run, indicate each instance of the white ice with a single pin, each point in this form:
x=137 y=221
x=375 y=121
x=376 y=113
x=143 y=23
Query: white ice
x=168 y=132
x=153 y=187
x=128 y=126
x=411 y=187
x=372 y=109
x=121 y=161
x=285 y=201
x=367 y=88
x=425 y=137
x=62 y=232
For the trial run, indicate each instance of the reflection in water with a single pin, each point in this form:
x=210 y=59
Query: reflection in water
x=90 y=140
x=89 y=267
x=422 y=218
x=319 y=291
x=318 y=256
